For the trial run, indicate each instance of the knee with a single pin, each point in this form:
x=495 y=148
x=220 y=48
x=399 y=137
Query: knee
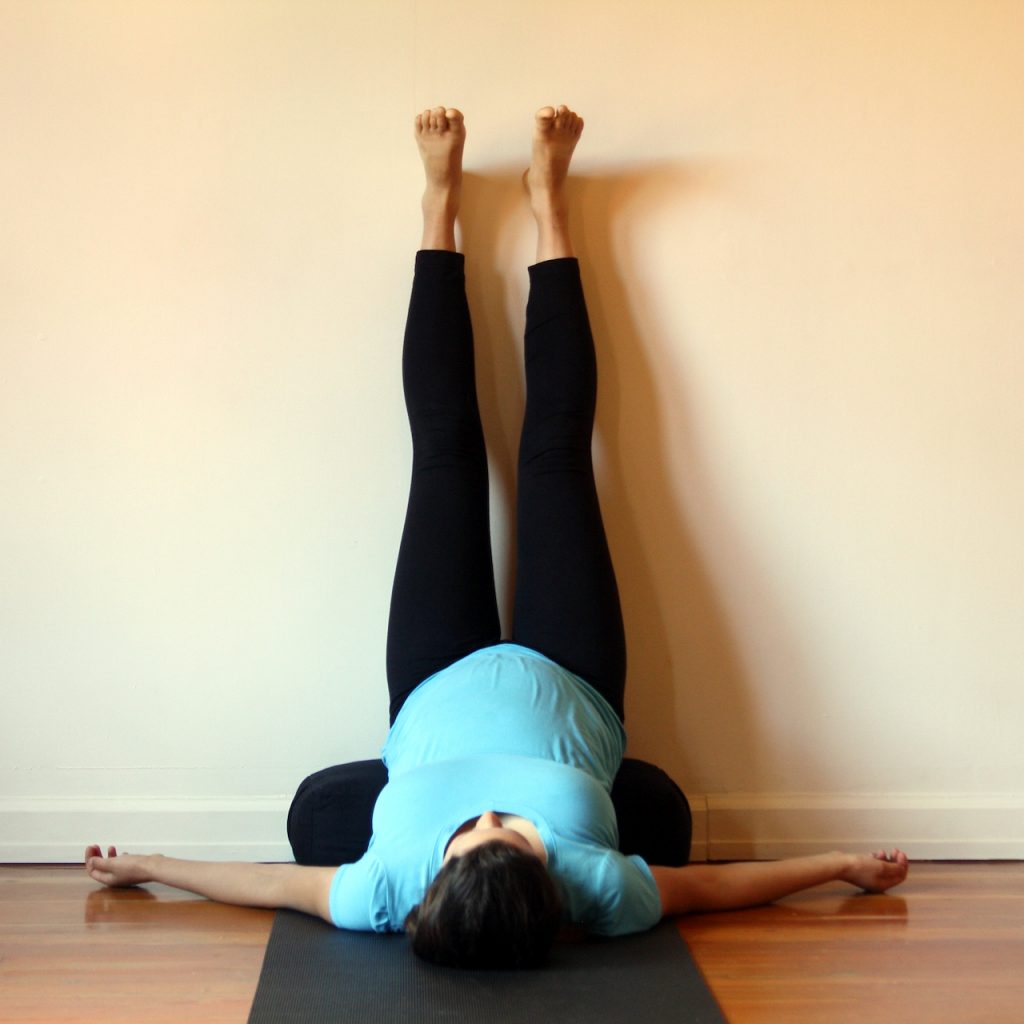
x=444 y=438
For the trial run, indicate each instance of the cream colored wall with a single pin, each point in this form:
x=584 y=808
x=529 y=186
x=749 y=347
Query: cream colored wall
x=802 y=235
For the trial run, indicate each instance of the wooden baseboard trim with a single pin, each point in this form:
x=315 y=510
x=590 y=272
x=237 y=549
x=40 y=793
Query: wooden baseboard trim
x=736 y=826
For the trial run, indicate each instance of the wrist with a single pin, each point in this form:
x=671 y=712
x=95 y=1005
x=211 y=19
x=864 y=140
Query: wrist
x=844 y=865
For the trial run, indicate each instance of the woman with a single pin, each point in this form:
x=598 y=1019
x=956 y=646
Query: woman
x=496 y=825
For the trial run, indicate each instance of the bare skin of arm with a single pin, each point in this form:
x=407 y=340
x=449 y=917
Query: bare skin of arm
x=690 y=889
x=704 y=887
x=248 y=885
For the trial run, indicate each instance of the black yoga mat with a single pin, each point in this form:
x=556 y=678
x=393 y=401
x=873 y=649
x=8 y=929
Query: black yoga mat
x=316 y=974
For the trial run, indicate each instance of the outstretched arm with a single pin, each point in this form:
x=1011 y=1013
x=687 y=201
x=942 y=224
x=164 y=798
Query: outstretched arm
x=249 y=885
x=731 y=886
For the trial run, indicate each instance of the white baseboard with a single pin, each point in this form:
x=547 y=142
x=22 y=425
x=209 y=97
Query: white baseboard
x=737 y=826
x=929 y=826
x=55 y=830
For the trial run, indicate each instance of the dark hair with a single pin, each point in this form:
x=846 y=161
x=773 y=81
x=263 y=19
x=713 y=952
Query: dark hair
x=493 y=906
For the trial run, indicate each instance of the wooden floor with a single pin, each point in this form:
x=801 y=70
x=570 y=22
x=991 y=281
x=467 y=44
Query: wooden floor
x=947 y=946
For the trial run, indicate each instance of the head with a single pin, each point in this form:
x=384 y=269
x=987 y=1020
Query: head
x=487 y=828
x=493 y=906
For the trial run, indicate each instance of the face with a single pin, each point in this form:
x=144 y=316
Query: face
x=488 y=828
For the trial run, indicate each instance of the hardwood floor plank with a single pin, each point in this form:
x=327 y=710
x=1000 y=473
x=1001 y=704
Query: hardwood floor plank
x=71 y=952
x=946 y=947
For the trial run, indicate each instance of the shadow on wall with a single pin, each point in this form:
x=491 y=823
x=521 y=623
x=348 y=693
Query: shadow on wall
x=686 y=680
x=687 y=685
x=493 y=209
x=679 y=641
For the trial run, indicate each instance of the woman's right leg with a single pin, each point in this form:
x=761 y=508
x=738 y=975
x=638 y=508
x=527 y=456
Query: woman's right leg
x=443 y=603
x=567 y=600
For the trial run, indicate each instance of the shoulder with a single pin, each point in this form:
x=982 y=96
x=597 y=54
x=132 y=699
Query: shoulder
x=608 y=892
x=358 y=896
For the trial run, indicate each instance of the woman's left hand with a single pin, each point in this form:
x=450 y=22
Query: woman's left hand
x=116 y=871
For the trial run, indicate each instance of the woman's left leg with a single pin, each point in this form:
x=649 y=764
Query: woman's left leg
x=443 y=603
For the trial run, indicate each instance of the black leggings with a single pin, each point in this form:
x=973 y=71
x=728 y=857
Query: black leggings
x=443 y=605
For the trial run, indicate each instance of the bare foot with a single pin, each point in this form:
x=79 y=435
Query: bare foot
x=555 y=134
x=440 y=136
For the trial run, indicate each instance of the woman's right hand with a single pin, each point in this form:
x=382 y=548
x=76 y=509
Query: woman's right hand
x=117 y=871
x=876 y=872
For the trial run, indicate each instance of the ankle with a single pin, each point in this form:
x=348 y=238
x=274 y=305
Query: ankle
x=553 y=240
x=439 y=216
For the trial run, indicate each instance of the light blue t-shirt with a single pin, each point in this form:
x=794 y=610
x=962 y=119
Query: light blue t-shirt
x=504 y=729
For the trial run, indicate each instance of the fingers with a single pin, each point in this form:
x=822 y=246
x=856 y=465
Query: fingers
x=880 y=870
x=97 y=866
x=95 y=850
x=893 y=868
x=894 y=856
